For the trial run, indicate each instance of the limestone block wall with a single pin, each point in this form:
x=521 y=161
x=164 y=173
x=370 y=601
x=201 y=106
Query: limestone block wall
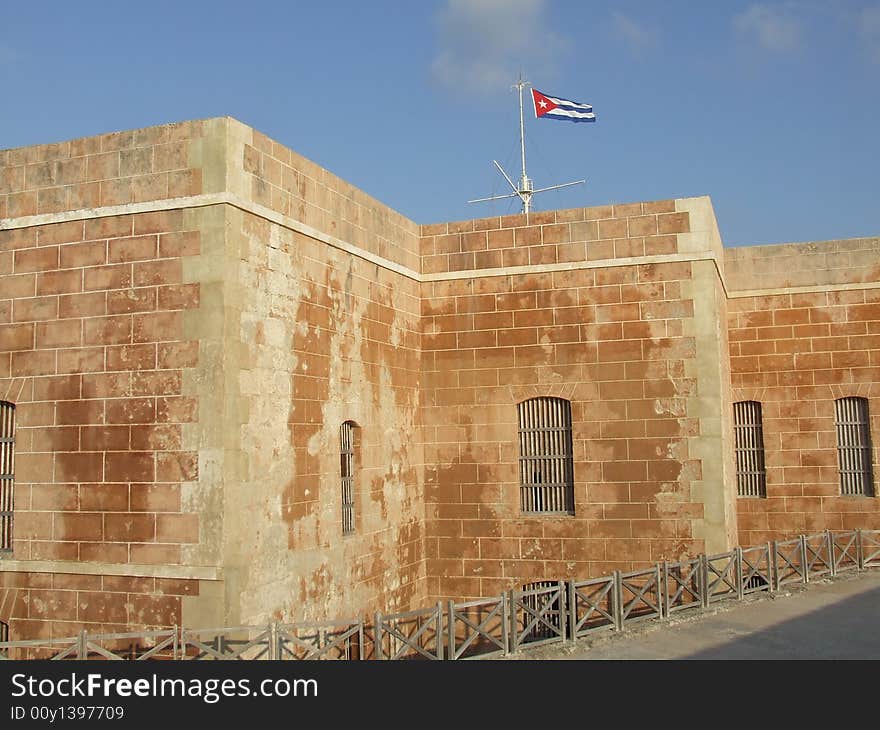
x=181 y=347
x=614 y=309
x=155 y=163
x=94 y=358
x=275 y=178
x=804 y=323
x=323 y=337
x=100 y=353
x=189 y=313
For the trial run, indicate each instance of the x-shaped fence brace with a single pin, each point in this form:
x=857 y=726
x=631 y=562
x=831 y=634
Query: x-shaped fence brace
x=92 y=644
x=70 y=652
x=226 y=649
x=870 y=548
x=789 y=562
x=539 y=614
x=815 y=563
x=724 y=577
x=434 y=619
x=316 y=646
x=686 y=585
x=752 y=569
x=581 y=595
x=845 y=555
x=483 y=629
x=639 y=593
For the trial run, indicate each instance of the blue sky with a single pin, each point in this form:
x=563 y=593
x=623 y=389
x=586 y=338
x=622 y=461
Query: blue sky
x=771 y=108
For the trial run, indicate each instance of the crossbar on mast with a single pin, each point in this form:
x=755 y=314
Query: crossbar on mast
x=525 y=190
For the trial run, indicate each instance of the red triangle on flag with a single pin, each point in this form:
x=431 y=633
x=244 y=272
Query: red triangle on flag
x=542 y=103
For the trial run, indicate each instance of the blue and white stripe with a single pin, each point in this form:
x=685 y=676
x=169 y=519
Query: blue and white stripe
x=570 y=110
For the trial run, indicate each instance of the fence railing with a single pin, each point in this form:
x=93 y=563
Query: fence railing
x=542 y=613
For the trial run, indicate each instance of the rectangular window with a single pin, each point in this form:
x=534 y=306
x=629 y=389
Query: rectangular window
x=854 y=446
x=748 y=431
x=7 y=478
x=346 y=468
x=545 y=462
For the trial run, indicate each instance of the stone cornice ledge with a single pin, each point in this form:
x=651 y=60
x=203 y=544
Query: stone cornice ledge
x=132 y=570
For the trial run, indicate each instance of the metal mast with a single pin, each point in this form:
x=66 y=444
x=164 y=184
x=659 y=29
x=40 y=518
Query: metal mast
x=524 y=191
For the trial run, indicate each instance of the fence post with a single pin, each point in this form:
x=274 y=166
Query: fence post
x=860 y=553
x=514 y=633
x=439 y=633
x=563 y=609
x=805 y=563
x=273 y=641
x=450 y=628
x=82 y=645
x=829 y=538
x=658 y=578
x=377 y=635
x=572 y=610
x=617 y=590
x=774 y=573
x=505 y=633
x=704 y=580
x=739 y=572
x=664 y=598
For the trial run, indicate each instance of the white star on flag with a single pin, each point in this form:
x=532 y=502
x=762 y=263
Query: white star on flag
x=554 y=107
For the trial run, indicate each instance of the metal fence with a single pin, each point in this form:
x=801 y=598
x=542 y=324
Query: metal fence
x=541 y=613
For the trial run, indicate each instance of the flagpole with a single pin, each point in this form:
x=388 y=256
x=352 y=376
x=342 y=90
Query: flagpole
x=525 y=185
x=525 y=190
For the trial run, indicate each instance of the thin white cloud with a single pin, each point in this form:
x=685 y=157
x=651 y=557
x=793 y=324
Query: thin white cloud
x=483 y=44
x=869 y=31
x=638 y=37
x=775 y=28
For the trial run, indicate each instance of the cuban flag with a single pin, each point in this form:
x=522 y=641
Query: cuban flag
x=553 y=107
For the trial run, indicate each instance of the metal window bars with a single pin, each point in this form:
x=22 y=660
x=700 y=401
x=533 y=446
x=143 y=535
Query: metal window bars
x=854 y=446
x=748 y=432
x=7 y=477
x=346 y=469
x=545 y=461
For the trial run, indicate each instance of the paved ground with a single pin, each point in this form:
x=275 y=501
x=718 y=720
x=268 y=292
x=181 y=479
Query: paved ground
x=829 y=619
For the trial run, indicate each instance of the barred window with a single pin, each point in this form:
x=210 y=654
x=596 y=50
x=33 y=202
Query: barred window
x=7 y=478
x=748 y=431
x=854 y=446
x=545 y=462
x=346 y=468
